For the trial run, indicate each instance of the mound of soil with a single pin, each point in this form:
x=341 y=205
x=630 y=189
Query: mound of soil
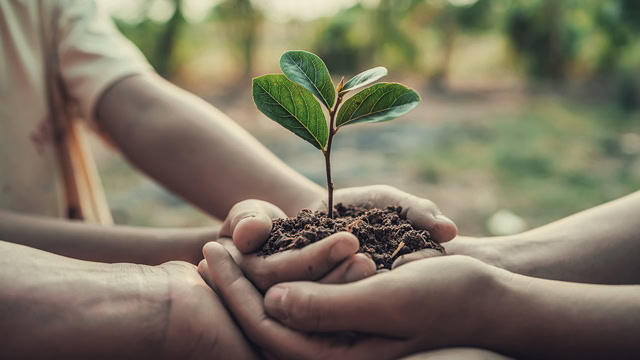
x=383 y=233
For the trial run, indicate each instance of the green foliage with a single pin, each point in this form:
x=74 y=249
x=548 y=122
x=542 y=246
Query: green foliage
x=380 y=102
x=541 y=34
x=364 y=78
x=288 y=100
x=308 y=70
x=291 y=106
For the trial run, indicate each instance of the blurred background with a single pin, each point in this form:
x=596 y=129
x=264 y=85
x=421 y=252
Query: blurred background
x=530 y=111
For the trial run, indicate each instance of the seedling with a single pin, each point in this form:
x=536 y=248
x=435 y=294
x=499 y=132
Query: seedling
x=289 y=100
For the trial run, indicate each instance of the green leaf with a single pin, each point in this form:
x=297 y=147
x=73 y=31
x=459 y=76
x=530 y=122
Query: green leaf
x=380 y=102
x=364 y=78
x=308 y=70
x=291 y=106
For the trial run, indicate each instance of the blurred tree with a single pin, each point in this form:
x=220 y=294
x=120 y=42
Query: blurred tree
x=449 y=19
x=360 y=36
x=240 y=22
x=540 y=33
x=166 y=42
x=388 y=33
x=157 y=41
x=339 y=43
x=619 y=23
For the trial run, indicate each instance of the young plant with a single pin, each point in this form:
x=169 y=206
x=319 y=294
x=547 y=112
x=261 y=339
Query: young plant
x=289 y=100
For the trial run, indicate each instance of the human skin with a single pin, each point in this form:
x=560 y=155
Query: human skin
x=246 y=226
x=195 y=150
x=92 y=242
x=447 y=301
x=57 y=307
x=600 y=245
x=81 y=309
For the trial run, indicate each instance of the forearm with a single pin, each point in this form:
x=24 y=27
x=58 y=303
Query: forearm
x=105 y=243
x=56 y=307
x=195 y=150
x=599 y=245
x=537 y=318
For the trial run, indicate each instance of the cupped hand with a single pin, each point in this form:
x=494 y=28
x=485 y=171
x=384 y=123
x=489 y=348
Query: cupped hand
x=331 y=260
x=423 y=305
x=249 y=223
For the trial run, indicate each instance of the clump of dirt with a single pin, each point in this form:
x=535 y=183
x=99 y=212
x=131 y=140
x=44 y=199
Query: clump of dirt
x=383 y=233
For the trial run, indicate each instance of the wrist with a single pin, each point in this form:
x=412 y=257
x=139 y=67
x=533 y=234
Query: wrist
x=511 y=314
x=124 y=309
x=186 y=244
x=487 y=286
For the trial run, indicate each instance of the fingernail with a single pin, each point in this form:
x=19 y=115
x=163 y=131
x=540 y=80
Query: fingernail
x=274 y=302
x=339 y=251
x=441 y=217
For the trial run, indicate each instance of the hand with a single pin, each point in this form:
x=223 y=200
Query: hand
x=423 y=305
x=496 y=250
x=198 y=325
x=249 y=224
x=331 y=260
x=423 y=214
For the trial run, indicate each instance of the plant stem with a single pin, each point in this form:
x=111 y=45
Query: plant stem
x=327 y=155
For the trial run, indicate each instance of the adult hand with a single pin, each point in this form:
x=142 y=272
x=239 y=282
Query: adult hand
x=423 y=305
x=249 y=223
x=198 y=325
x=331 y=260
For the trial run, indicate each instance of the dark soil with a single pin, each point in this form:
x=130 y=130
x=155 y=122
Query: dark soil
x=383 y=233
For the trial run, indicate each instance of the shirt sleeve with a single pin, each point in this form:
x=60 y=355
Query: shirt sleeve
x=93 y=54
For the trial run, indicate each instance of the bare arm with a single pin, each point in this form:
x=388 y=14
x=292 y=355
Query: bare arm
x=599 y=245
x=105 y=243
x=567 y=320
x=195 y=150
x=62 y=308
x=56 y=307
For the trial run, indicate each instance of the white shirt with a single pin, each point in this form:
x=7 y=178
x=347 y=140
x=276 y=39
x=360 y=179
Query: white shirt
x=68 y=50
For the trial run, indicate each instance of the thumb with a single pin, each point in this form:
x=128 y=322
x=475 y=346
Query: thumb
x=425 y=214
x=315 y=307
x=249 y=224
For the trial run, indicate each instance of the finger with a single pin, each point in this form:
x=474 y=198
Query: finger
x=249 y=224
x=203 y=270
x=246 y=304
x=309 y=263
x=418 y=255
x=425 y=214
x=357 y=267
x=367 y=306
x=244 y=301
